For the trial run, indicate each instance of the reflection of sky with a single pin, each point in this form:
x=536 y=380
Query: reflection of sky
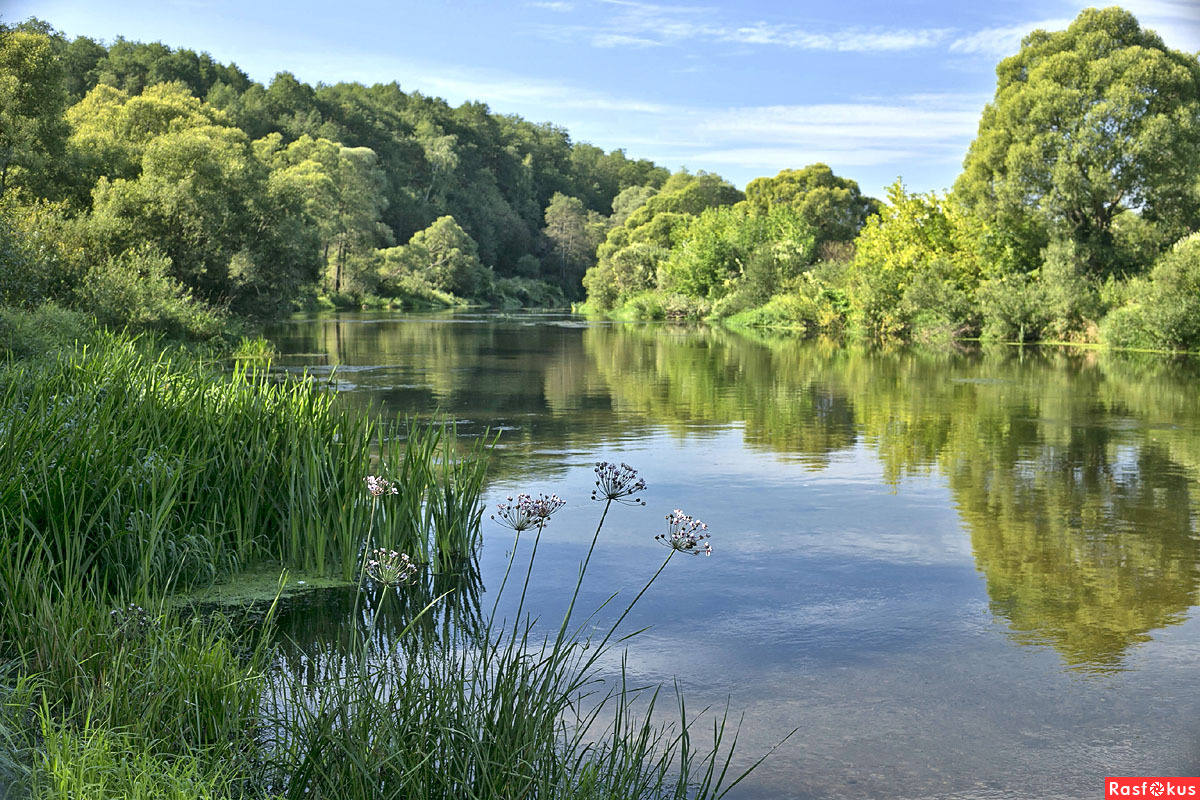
x=837 y=602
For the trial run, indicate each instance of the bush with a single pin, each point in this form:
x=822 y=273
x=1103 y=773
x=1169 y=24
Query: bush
x=1014 y=307
x=1128 y=327
x=1174 y=302
x=135 y=291
x=526 y=293
x=44 y=330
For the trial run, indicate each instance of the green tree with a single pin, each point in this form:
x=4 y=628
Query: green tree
x=833 y=207
x=1086 y=124
x=574 y=232
x=32 y=99
x=203 y=199
x=915 y=240
x=341 y=189
x=444 y=255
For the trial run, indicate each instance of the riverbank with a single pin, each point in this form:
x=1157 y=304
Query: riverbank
x=113 y=686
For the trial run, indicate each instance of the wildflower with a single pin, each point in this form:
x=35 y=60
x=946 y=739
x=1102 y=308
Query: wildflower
x=618 y=482
x=685 y=534
x=526 y=511
x=130 y=621
x=379 y=486
x=390 y=567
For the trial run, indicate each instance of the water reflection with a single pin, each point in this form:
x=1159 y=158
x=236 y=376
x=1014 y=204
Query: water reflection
x=1074 y=474
x=439 y=607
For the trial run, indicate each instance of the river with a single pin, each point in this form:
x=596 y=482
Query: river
x=967 y=574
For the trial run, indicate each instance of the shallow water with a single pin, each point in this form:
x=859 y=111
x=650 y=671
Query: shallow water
x=967 y=575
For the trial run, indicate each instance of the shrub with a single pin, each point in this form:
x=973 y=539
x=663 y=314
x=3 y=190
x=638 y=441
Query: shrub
x=44 y=330
x=1164 y=311
x=135 y=291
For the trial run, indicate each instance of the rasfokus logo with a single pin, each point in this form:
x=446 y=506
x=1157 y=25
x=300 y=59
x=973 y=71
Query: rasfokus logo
x=1151 y=787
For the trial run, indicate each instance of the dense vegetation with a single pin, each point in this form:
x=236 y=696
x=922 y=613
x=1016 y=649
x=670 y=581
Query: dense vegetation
x=1074 y=219
x=157 y=187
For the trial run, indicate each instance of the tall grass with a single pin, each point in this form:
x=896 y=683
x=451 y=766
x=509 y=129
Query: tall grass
x=124 y=472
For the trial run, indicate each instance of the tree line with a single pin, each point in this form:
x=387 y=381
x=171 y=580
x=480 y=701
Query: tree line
x=1075 y=218
x=156 y=186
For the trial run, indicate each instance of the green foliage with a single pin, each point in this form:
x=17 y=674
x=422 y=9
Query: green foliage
x=443 y=256
x=135 y=291
x=1087 y=123
x=1163 y=312
x=832 y=207
x=32 y=98
x=526 y=293
x=42 y=254
x=44 y=330
x=916 y=241
x=1015 y=308
x=573 y=232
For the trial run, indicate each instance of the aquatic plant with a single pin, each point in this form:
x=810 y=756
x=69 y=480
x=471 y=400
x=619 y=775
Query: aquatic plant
x=512 y=715
x=618 y=482
x=390 y=568
x=685 y=534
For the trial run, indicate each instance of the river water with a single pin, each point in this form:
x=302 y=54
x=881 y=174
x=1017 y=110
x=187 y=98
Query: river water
x=955 y=574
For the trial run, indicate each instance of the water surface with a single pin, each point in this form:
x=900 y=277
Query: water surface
x=958 y=575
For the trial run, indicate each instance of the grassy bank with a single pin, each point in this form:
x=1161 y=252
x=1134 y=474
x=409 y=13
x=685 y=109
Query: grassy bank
x=129 y=473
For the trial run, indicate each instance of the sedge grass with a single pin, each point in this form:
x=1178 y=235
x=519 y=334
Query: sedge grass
x=125 y=474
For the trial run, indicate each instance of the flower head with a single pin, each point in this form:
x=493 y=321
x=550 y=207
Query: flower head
x=685 y=534
x=618 y=482
x=131 y=621
x=526 y=511
x=390 y=567
x=379 y=486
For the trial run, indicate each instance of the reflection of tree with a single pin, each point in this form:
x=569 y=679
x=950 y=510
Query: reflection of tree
x=689 y=377
x=1086 y=554
x=1072 y=471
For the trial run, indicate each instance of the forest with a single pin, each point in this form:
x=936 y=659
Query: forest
x=153 y=188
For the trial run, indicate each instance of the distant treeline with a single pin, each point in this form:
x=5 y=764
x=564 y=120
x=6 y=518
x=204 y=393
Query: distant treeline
x=1074 y=219
x=137 y=174
x=158 y=188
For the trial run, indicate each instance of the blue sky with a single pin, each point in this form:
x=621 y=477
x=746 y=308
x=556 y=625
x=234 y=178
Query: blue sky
x=876 y=89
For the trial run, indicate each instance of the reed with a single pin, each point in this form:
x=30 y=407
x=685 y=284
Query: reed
x=128 y=472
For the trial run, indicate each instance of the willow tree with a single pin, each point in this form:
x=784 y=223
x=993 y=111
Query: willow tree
x=1087 y=124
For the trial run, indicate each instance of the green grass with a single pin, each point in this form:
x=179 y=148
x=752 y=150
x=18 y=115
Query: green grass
x=129 y=474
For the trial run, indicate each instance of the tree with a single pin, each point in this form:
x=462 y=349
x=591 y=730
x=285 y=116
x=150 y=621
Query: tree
x=574 y=233
x=444 y=255
x=341 y=189
x=203 y=199
x=833 y=207
x=1087 y=123
x=914 y=238
x=32 y=131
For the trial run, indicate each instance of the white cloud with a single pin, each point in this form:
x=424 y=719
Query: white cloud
x=846 y=40
x=1002 y=41
x=621 y=40
x=552 y=5
x=841 y=123
x=638 y=24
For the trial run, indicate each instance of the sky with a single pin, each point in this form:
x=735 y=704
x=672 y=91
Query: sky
x=877 y=89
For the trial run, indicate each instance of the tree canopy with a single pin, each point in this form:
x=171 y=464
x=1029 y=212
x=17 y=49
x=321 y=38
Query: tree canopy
x=1087 y=123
